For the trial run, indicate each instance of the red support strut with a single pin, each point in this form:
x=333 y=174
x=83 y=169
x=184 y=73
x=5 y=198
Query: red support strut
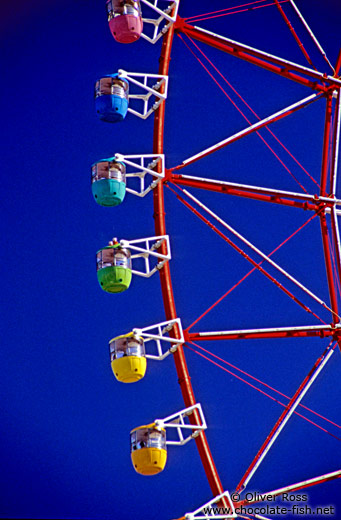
x=166 y=284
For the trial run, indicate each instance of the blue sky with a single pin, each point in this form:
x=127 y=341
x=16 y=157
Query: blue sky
x=65 y=419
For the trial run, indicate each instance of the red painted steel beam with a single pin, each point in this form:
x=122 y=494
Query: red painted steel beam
x=321 y=333
x=326 y=141
x=327 y=159
x=335 y=144
x=334 y=226
x=245 y=192
x=329 y=267
x=263 y=60
x=166 y=283
x=293 y=32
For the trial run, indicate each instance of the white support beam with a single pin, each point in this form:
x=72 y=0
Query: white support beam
x=158 y=333
x=289 y=412
x=259 y=252
x=177 y=421
x=337 y=140
x=299 y=14
x=146 y=248
x=140 y=167
x=252 y=128
x=163 y=20
x=158 y=91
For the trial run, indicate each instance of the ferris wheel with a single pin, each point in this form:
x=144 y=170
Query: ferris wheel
x=201 y=191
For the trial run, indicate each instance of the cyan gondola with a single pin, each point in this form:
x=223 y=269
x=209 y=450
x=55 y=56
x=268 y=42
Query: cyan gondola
x=111 y=98
x=125 y=20
x=108 y=182
x=114 y=268
x=128 y=358
x=148 y=449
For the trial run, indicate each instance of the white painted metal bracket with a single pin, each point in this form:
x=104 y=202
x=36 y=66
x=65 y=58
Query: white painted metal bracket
x=177 y=420
x=146 y=248
x=158 y=333
x=158 y=89
x=143 y=165
x=207 y=511
x=164 y=18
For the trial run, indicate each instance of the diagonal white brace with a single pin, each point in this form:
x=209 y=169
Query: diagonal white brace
x=291 y=407
x=163 y=20
x=259 y=252
x=252 y=128
x=318 y=45
x=158 y=90
x=141 y=166
x=146 y=248
x=177 y=421
x=158 y=333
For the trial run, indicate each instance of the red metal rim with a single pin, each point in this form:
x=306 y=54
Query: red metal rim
x=166 y=282
x=160 y=224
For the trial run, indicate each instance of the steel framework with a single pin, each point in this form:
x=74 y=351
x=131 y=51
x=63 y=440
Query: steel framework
x=322 y=204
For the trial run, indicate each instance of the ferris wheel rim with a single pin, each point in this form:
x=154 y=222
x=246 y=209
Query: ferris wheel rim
x=166 y=282
x=165 y=275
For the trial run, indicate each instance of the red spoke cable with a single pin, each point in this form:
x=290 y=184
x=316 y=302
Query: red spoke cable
x=257 y=116
x=258 y=389
x=239 y=110
x=321 y=212
x=335 y=273
x=331 y=156
x=262 y=383
x=245 y=255
x=193 y=20
x=226 y=9
x=247 y=274
x=330 y=242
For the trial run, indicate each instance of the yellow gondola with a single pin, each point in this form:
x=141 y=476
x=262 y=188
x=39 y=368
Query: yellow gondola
x=128 y=358
x=148 y=449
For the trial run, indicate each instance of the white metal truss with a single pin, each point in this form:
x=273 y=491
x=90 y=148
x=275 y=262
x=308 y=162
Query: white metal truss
x=164 y=18
x=212 y=510
x=146 y=248
x=159 y=90
x=143 y=165
x=158 y=333
x=177 y=420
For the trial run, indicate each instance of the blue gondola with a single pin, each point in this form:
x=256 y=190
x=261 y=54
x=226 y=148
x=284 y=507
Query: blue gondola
x=108 y=182
x=111 y=98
